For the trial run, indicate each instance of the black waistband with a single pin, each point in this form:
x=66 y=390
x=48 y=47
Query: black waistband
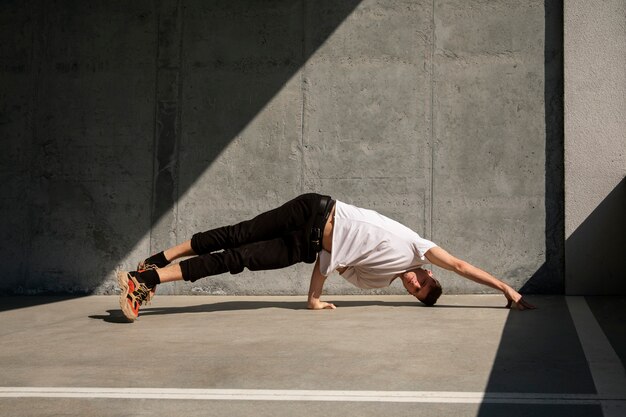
x=326 y=206
x=321 y=217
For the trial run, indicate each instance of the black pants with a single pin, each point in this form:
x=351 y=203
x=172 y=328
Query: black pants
x=272 y=240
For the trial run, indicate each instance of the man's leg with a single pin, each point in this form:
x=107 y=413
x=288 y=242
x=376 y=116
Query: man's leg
x=291 y=216
x=274 y=239
x=162 y=259
x=271 y=254
x=179 y=251
x=170 y=273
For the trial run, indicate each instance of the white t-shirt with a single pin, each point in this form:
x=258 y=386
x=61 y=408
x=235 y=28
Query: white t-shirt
x=374 y=248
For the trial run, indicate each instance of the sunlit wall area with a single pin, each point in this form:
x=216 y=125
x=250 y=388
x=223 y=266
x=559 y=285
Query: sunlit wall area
x=595 y=146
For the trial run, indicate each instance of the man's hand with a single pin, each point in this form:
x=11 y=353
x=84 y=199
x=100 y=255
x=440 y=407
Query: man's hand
x=320 y=305
x=516 y=301
x=315 y=290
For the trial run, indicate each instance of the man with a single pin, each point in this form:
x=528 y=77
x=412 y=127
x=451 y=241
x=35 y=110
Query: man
x=366 y=248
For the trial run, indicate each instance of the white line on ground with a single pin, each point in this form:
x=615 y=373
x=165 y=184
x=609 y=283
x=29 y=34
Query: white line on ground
x=606 y=368
x=309 y=395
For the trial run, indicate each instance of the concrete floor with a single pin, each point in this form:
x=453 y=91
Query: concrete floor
x=467 y=344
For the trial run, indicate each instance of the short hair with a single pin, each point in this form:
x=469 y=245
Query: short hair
x=433 y=293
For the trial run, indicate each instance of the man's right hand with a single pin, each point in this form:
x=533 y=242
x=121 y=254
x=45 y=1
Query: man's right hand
x=320 y=305
x=515 y=300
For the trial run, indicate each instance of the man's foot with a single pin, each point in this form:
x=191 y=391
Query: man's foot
x=155 y=261
x=143 y=266
x=133 y=295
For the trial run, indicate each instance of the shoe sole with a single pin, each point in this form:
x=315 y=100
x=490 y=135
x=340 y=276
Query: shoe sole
x=122 y=280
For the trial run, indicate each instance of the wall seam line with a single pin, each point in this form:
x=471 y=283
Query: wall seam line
x=432 y=120
x=179 y=133
x=155 y=122
x=302 y=90
x=37 y=40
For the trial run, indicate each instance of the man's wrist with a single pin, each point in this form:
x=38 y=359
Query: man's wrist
x=504 y=287
x=312 y=302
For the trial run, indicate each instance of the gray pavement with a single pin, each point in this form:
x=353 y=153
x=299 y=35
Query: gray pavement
x=383 y=344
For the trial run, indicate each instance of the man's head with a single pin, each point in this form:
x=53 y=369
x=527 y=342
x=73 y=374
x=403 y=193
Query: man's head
x=421 y=284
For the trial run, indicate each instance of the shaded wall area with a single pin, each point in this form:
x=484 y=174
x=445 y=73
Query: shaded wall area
x=78 y=121
x=595 y=250
x=129 y=126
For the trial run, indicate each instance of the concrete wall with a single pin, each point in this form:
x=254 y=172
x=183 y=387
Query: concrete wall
x=595 y=146
x=128 y=126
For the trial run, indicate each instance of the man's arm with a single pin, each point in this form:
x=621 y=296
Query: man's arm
x=438 y=256
x=315 y=289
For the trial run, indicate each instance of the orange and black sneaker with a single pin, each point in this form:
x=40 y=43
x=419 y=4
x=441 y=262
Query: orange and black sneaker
x=133 y=295
x=144 y=266
x=155 y=261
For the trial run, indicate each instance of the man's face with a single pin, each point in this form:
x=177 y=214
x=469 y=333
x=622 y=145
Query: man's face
x=414 y=281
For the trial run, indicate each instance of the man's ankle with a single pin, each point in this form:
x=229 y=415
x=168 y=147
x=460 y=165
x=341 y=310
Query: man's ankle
x=159 y=260
x=150 y=277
